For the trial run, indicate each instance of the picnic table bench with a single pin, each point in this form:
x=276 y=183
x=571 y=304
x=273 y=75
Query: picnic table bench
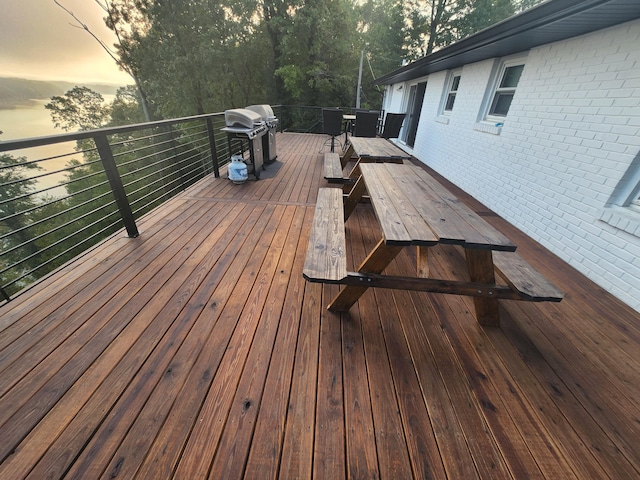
x=413 y=209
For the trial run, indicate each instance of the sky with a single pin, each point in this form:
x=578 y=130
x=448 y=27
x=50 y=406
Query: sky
x=37 y=41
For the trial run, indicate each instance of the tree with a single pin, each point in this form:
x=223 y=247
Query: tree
x=428 y=25
x=198 y=56
x=433 y=24
x=383 y=32
x=16 y=210
x=521 y=5
x=80 y=108
x=195 y=56
x=320 y=56
x=475 y=15
x=126 y=108
x=121 y=22
x=277 y=18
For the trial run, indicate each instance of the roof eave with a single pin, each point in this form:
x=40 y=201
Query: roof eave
x=548 y=22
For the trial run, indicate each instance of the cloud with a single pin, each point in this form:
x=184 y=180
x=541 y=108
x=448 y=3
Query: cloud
x=37 y=40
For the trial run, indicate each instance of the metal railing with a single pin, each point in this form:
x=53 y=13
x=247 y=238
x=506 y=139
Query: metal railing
x=62 y=194
x=300 y=119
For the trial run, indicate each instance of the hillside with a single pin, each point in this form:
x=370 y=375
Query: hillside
x=14 y=91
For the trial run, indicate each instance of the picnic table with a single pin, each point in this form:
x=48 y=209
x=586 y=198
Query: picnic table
x=363 y=150
x=414 y=210
x=375 y=149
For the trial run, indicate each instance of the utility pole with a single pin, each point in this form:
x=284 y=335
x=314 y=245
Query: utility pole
x=359 y=80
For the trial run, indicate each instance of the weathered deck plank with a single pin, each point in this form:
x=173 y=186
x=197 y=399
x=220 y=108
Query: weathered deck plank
x=198 y=351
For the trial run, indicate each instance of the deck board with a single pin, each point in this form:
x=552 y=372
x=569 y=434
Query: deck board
x=197 y=350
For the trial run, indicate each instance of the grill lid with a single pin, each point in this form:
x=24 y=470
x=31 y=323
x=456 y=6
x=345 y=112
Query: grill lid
x=265 y=111
x=242 y=117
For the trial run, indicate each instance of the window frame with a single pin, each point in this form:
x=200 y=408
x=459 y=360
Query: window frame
x=631 y=194
x=497 y=90
x=622 y=210
x=449 y=91
x=412 y=102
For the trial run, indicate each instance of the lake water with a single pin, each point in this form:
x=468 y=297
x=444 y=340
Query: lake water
x=33 y=120
x=28 y=120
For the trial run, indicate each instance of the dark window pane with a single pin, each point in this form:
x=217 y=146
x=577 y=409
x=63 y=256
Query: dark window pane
x=501 y=104
x=455 y=83
x=511 y=76
x=450 y=100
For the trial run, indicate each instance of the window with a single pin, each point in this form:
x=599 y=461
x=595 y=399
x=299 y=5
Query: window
x=506 y=89
x=622 y=210
x=627 y=192
x=454 y=83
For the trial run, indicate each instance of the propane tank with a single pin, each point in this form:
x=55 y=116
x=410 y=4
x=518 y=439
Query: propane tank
x=237 y=169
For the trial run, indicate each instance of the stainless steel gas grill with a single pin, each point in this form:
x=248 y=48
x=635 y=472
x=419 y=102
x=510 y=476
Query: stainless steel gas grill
x=269 y=140
x=245 y=126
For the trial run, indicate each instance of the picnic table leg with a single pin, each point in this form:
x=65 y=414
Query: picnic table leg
x=347 y=156
x=354 y=175
x=423 y=261
x=355 y=171
x=481 y=270
x=376 y=262
x=354 y=197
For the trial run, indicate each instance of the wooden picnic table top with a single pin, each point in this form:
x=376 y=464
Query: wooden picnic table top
x=377 y=148
x=414 y=209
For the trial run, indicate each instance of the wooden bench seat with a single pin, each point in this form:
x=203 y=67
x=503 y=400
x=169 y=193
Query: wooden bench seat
x=530 y=284
x=326 y=259
x=333 y=168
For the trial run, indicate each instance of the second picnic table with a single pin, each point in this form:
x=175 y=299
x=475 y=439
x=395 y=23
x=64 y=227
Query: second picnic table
x=362 y=150
x=374 y=150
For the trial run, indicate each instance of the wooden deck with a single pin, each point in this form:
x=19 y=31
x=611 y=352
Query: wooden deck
x=198 y=351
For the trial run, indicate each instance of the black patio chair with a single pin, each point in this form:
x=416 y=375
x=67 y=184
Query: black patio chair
x=392 y=125
x=366 y=124
x=332 y=124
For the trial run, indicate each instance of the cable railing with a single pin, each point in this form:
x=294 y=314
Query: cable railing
x=62 y=194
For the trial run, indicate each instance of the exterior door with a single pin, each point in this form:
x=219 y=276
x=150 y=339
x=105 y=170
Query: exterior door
x=414 y=107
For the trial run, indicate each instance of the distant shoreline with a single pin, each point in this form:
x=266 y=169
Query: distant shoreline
x=20 y=92
x=8 y=104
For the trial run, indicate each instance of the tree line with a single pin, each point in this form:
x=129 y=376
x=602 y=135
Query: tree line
x=200 y=56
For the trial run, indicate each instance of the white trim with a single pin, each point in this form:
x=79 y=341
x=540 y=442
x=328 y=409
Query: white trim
x=626 y=219
x=448 y=91
x=486 y=127
x=495 y=88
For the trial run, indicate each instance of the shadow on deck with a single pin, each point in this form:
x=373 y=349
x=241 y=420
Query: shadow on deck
x=197 y=350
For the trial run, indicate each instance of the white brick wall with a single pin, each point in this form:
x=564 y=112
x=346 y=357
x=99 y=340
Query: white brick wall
x=572 y=131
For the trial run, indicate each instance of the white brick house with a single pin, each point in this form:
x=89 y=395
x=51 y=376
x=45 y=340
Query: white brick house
x=538 y=118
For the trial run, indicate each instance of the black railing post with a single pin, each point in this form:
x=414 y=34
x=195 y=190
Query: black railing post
x=109 y=164
x=212 y=145
x=5 y=295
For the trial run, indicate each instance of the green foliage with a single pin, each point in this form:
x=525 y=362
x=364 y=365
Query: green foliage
x=383 y=32
x=194 y=57
x=197 y=56
x=476 y=15
x=15 y=194
x=39 y=233
x=319 y=61
x=80 y=108
x=16 y=214
x=433 y=24
x=126 y=108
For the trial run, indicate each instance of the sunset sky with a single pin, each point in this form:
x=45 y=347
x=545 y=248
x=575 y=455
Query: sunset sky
x=37 y=41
